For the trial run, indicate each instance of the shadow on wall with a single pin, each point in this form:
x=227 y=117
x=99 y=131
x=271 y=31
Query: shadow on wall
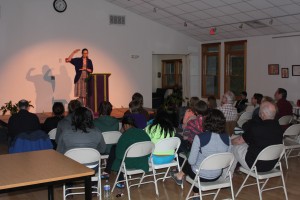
x=49 y=88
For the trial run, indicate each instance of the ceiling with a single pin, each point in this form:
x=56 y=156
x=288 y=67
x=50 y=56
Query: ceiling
x=230 y=18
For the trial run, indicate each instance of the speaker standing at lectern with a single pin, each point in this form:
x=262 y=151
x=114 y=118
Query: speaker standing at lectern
x=83 y=67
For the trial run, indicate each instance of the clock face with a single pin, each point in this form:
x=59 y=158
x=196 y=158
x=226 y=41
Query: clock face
x=60 y=5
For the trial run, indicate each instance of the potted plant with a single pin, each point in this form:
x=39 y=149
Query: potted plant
x=12 y=108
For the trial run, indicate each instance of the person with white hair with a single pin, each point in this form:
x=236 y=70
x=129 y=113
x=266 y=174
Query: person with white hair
x=229 y=111
x=257 y=136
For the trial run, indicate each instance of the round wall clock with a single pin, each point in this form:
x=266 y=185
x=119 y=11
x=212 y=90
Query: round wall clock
x=60 y=5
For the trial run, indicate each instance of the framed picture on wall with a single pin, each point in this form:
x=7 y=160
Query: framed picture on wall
x=284 y=72
x=273 y=69
x=295 y=70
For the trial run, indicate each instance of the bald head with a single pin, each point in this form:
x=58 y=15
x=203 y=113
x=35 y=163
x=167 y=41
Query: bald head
x=267 y=110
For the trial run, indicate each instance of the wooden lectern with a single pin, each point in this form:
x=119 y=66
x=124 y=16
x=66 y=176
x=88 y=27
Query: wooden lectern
x=97 y=90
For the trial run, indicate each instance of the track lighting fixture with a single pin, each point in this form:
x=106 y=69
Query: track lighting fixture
x=154 y=10
x=271 y=21
x=241 y=26
x=185 y=24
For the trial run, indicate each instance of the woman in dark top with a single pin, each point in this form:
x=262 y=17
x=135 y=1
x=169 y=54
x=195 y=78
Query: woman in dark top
x=51 y=122
x=83 y=67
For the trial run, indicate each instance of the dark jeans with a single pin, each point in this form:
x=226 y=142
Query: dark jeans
x=110 y=160
x=187 y=170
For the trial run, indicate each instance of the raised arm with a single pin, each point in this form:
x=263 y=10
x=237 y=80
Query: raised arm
x=71 y=55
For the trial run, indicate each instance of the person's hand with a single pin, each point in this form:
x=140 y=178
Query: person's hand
x=76 y=50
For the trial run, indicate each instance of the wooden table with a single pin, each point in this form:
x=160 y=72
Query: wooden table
x=46 y=167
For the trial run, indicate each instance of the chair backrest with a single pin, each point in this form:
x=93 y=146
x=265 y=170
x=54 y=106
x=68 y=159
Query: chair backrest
x=52 y=134
x=87 y=156
x=293 y=130
x=217 y=161
x=111 y=137
x=271 y=153
x=244 y=118
x=139 y=149
x=168 y=144
x=285 y=120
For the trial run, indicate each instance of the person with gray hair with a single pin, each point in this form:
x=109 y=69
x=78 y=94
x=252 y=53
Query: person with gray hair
x=257 y=136
x=229 y=111
x=23 y=121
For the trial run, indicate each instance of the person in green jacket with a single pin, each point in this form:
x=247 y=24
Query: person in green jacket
x=105 y=122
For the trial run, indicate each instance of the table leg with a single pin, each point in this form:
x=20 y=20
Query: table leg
x=50 y=192
x=88 y=188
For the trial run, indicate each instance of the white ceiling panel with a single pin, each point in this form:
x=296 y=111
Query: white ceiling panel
x=280 y=16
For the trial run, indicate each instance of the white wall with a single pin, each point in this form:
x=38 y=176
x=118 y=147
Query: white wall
x=34 y=39
x=264 y=50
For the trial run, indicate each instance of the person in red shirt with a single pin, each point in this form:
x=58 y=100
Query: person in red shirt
x=284 y=107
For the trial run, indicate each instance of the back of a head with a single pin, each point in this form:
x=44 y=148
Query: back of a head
x=105 y=108
x=283 y=93
x=212 y=102
x=82 y=119
x=193 y=101
x=73 y=105
x=23 y=104
x=58 y=109
x=267 y=99
x=138 y=97
x=244 y=93
x=128 y=120
x=215 y=121
x=200 y=108
x=258 y=97
x=267 y=110
x=163 y=119
x=230 y=97
x=134 y=106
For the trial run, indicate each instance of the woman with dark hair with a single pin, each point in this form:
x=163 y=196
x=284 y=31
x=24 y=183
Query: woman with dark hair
x=139 y=98
x=58 y=111
x=83 y=134
x=211 y=102
x=213 y=140
x=83 y=67
x=162 y=127
x=105 y=122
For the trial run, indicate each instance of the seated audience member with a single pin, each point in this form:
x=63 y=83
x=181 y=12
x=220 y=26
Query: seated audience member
x=23 y=121
x=66 y=123
x=195 y=126
x=256 y=101
x=284 y=106
x=211 y=102
x=83 y=134
x=190 y=112
x=139 y=97
x=105 y=122
x=139 y=118
x=227 y=107
x=161 y=128
x=130 y=136
x=51 y=122
x=241 y=104
x=257 y=136
x=213 y=140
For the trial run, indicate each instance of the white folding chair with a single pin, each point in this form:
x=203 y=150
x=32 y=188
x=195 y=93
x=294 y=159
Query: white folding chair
x=285 y=120
x=269 y=153
x=52 y=134
x=90 y=158
x=184 y=157
x=110 y=137
x=138 y=149
x=244 y=118
x=213 y=162
x=167 y=144
x=291 y=141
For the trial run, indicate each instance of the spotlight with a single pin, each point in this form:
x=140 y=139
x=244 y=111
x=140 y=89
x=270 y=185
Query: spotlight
x=185 y=24
x=241 y=26
x=271 y=21
x=154 y=10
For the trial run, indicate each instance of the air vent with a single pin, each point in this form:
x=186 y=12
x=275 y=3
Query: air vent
x=116 y=19
x=256 y=24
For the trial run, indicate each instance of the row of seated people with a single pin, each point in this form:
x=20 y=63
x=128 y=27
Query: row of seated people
x=79 y=126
